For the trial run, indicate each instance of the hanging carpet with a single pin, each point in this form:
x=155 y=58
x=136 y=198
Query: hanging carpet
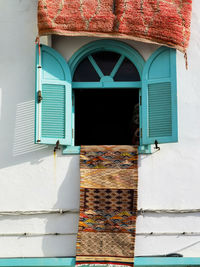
x=108 y=205
x=165 y=22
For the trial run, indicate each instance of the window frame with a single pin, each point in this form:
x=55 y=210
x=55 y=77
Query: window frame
x=125 y=51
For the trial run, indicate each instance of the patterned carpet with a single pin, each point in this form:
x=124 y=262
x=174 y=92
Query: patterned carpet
x=108 y=205
x=156 y=21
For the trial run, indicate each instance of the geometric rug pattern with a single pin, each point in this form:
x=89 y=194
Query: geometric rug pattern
x=108 y=205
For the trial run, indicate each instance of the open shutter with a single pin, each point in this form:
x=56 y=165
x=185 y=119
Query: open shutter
x=53 y=97
x=159 y=98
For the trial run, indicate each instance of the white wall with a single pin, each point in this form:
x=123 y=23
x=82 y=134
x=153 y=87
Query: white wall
x=30 y=178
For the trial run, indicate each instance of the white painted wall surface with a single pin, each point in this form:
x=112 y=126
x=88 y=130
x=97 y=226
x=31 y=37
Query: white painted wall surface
x=30 y=178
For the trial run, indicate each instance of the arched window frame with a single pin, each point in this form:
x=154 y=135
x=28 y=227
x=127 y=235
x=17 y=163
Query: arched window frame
x=107 y=45
x=122 y=49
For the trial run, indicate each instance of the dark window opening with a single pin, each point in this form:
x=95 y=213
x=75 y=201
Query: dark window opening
x=85 y=72
x=106 y=61
x=106 y=116
x=127 y=72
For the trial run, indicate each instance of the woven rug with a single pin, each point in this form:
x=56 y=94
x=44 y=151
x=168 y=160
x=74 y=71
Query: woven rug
x=108 y=205
x=164 y=22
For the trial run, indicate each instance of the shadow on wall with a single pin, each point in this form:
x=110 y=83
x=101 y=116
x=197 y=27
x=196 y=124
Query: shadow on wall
x=68 y=197
x=17 y=79
x=19 y=143
x=24 y=130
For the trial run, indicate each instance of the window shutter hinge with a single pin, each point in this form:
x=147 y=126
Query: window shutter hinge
x=39 y=96
x=140 y=132
x=140 y=100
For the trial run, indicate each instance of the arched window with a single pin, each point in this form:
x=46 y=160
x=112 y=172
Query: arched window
x=106 y=100
x=114 y=97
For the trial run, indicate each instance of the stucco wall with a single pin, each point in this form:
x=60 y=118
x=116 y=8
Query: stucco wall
x=31 y=179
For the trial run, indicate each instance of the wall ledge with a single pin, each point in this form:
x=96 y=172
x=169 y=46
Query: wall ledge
x=139 y=261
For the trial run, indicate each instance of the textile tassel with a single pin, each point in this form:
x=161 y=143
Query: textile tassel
x=186 y=60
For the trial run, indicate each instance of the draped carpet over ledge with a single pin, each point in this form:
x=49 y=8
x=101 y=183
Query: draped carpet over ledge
x=164 y=22
x=108 y=205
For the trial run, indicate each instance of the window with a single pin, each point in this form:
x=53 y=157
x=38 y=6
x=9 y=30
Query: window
x=106 y=116
x=69 y=96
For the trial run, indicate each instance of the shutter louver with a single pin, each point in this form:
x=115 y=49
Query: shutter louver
x=53 y=115
x=53 y=112
x=159 y=109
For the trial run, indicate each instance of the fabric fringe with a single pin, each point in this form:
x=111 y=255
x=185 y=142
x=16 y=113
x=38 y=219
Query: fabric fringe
x=109 y=35
x=186 y=60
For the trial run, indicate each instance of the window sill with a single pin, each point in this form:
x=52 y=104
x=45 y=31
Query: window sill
x=75 y=150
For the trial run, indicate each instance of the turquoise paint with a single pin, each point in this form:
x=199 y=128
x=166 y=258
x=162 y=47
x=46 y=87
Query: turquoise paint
x=53 y=96
x=32 y=262
x=166 y=261
x=107 y=45
x=52 y=69
x=95 y=66
x=61 y=262
x=159 y=80
x=106 y=79
x=116 y=67
x=71 y=150
x=159 y=98
x=58 y=61
x=75 y=150
x=144 y=149
x=106 y=84
x=53 y=114
x=36 y=91
x=160 y=68
x=73 y=118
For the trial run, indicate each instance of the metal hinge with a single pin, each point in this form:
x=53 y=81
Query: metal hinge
x=140 y=100
x=140 y=132
x=39 y=96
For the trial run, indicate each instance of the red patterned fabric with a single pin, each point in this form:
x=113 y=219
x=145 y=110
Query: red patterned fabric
x=66 y=17
x=164 y=22
x=160 y=21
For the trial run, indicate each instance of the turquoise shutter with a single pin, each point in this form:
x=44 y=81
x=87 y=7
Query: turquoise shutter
x=159 y=98
x=53 y=98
